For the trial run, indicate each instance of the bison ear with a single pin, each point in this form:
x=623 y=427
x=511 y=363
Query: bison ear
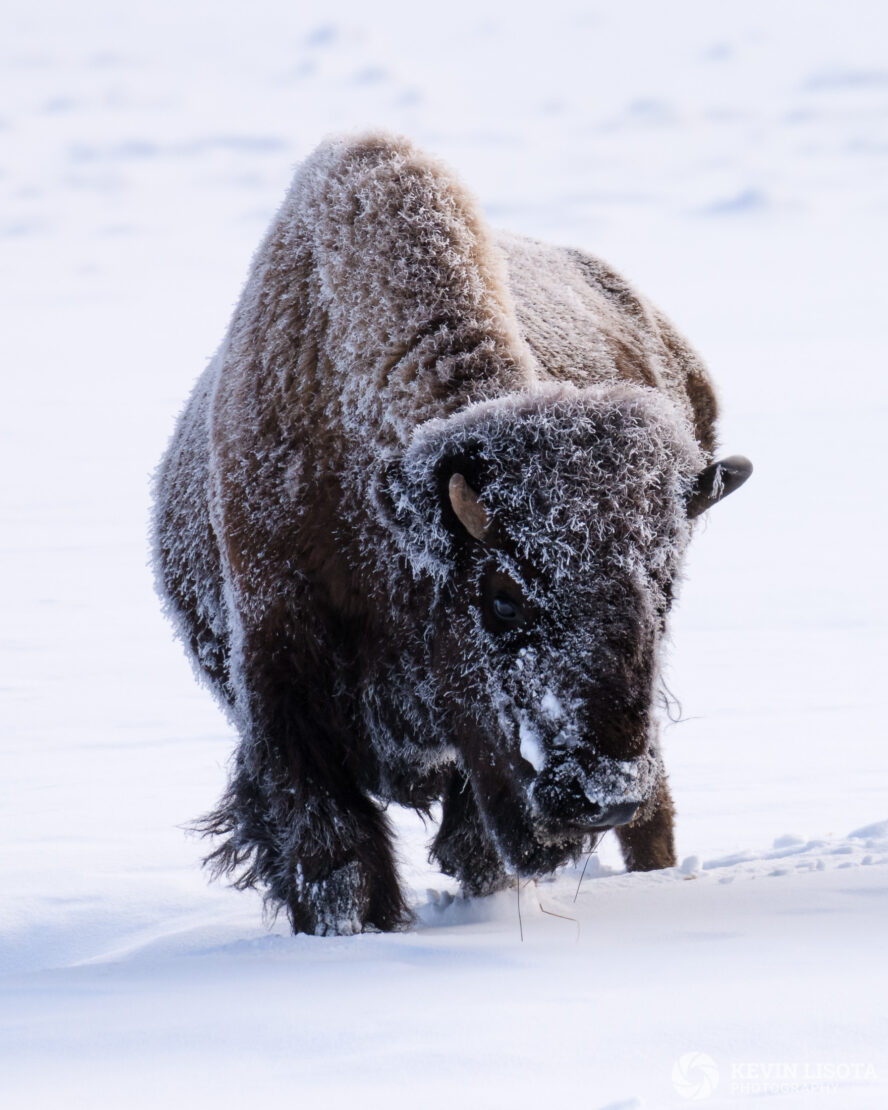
x=716 y=482
x=387 y=492
x=468 y=508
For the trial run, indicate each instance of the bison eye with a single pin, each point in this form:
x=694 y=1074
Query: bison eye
x=503 y=608
x=506 y=610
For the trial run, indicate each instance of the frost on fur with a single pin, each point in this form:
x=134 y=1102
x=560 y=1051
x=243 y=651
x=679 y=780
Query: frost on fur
x=367 y=646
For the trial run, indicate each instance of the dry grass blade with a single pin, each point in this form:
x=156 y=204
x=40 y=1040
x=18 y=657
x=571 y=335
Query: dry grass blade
x=590 y=854
x=563 y=916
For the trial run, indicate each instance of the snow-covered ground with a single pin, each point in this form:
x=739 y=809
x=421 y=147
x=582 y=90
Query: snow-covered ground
x=732 y=159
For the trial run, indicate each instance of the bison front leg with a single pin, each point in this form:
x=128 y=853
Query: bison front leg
x=648 y=842
x=462 y=845
x=325 y=858
x=296 y=824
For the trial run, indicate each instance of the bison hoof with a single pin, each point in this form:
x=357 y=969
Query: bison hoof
x=335 y=905
x=344 y=903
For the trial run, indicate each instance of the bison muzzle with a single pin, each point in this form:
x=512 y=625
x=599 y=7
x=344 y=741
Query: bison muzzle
x=420 y=527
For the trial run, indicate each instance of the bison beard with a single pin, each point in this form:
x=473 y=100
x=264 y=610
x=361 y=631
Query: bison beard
x=420 y=526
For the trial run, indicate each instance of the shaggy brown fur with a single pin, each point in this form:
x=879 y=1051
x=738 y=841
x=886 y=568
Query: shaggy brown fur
x=309 y=552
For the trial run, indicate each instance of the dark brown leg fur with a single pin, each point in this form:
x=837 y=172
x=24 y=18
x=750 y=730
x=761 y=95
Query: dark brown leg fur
x=648 y=843
x=296 y=823
x=462 y=846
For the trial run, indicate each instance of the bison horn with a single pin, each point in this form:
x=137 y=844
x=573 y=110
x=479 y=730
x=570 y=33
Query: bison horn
x=469 y=510
x=716 y=482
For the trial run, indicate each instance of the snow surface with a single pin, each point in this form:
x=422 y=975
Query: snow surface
x=731 y=159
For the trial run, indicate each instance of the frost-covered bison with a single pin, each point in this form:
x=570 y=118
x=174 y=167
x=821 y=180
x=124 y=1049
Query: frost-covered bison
x=420 y=527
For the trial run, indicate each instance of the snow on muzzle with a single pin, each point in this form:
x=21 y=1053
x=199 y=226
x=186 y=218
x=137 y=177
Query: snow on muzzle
x=605 y=792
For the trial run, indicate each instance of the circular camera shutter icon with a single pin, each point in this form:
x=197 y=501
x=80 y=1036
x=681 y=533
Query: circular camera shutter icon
x=695 y=1075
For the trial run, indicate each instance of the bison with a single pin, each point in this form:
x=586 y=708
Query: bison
x=420 y=526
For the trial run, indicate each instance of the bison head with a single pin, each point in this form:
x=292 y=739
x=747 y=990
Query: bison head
x=548 y=530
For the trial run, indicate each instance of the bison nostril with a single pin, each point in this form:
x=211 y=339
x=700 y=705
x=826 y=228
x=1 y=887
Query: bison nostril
x=620 y=814
x=565 y=803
